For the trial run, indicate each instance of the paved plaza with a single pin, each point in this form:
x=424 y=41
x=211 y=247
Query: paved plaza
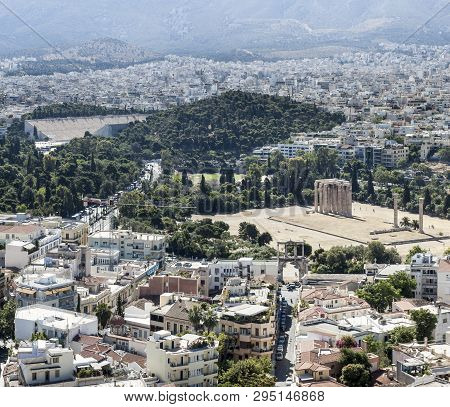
x=327 y=230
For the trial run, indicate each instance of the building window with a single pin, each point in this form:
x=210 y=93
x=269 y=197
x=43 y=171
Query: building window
x=56 y=374
x=55 y=360
x=33 y=376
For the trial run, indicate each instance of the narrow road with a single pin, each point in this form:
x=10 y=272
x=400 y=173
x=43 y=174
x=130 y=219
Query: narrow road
x=283 y=368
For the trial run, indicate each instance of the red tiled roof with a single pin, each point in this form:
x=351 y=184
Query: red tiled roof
x=130 y=358
x=19 y=229
x=98 y=347
x=324 y=383
x=87 y=339
x=90 y=354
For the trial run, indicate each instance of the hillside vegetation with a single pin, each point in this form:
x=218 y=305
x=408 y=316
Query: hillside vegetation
x=216 y=129
x=224 y=127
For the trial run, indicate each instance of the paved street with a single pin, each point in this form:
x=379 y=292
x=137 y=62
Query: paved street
x=283 y=367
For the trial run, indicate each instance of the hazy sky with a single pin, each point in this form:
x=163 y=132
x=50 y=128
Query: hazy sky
x=209 y=24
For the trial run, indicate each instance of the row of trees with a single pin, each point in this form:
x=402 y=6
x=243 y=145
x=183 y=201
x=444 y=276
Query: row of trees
x=351 y=259
x=378 y=185
x=61 y=110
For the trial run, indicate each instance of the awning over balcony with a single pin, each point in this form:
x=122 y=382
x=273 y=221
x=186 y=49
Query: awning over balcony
x=25 y=291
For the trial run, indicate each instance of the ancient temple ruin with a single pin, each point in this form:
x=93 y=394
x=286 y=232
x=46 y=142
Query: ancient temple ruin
x=333 y=196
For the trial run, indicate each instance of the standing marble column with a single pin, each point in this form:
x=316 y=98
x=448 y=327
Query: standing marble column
x=325 y=198
x=396 y=211
x=316 y=196
x=340 y=199
x=321 y=196
x=421 y=200
x=349 y=201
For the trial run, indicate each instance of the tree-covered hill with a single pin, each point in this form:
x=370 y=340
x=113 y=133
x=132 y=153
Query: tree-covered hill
x=216 y=130
x=225 y=127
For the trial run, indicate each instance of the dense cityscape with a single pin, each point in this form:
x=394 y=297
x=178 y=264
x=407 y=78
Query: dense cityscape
x=179 y=221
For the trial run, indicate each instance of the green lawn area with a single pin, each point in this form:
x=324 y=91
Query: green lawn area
x=211 y=178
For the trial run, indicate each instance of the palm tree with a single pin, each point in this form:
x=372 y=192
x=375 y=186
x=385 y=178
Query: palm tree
x=210 y=319
x=415 y=224
x=195 y=317
x=405 y=222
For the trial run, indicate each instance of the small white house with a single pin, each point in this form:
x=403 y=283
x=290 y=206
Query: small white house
x=44 y=362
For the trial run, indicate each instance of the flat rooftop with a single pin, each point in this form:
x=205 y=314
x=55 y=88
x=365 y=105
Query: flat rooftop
x=54 y=317
x=247 y=310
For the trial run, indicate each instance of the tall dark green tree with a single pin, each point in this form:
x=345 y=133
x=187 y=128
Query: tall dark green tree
x=425 y=323
x=354 y=174
x=103 y=313
x=7 y=315
x=406 y=195
x=184 y=178
x=370 y=187
x=203 y=185
x=426 y=198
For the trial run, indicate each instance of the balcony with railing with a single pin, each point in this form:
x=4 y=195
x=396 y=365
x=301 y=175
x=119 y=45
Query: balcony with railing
x=177 y=364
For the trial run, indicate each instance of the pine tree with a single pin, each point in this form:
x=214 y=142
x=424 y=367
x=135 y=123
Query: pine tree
x=355 y=185
x=93 y=167
x=406 y=197
x=427 y=198
x=184 y=178
x=203 y=185
x=370 y=188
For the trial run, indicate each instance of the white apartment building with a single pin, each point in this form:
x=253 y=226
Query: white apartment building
x=186 y=361
x=53 y=322
x=44 y=362
x=424 y=268
x=21 y=252
x=443 y=280
x=46 y=289
x=388 y=155
x=392 y=155
x=132 y=246
x=246 y=267
x=254 y=328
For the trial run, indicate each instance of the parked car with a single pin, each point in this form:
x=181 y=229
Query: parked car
x=279 y=356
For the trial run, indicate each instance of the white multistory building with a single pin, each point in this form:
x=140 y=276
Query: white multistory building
x=424 y=268
x=246 y=267
x=186 y=361
x=44 y=363
x=131 y=245
x=47 y=289
x=443 y=280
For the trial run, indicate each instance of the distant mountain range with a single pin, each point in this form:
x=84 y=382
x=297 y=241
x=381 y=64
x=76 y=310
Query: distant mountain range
x=216 y=26
x=104 y=50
